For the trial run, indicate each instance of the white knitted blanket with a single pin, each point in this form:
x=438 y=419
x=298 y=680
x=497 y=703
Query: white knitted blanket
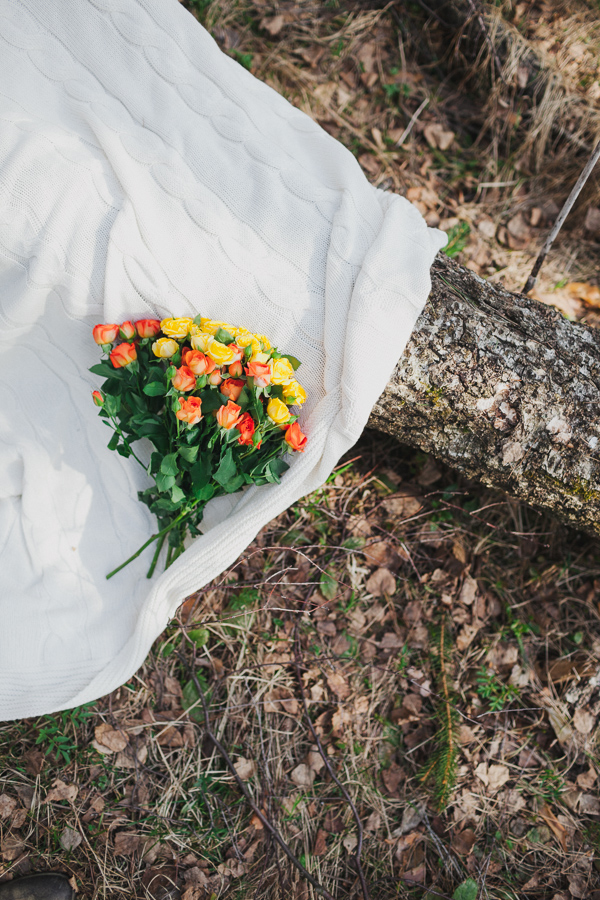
x=144 y=173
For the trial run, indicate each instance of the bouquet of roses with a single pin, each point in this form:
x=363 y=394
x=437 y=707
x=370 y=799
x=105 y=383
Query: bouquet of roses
x=215 y=401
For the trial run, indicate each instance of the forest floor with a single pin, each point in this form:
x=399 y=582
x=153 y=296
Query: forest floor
x=404 y=668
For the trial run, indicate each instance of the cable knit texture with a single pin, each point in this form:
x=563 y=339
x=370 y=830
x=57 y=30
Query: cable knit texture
x=144 y=173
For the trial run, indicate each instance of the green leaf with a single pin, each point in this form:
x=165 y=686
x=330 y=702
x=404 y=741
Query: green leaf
x=107 y=370
x=354 y=543
x=112 y=404
x=197 y=320
x=189 y=453
x=457 y=241
x=223 y=336
x=155 y=389
x=211 y=400
x=112 y=444
x=468 y=890
x=164 y=483
x=199 y=636
x=295 y=363
x=234 y=484
x=227 y=468
x=177 y=495
x=275 y=470
x=329 y=585
x=169 y=465
x=201 y=472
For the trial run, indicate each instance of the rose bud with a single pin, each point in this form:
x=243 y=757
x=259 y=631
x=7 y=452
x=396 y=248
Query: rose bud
x=127 y=331
x=123 y=355
x=238 y=352
x=197 y=362
x=147 y=328
x=228 y=416
x=232 y=388
x=164 y=348
x=246 y=428
x=105 y=334
x=261 y=372
x=184 y=379
x=215 y=378
x=190 y=410
x=294 y=437
x=98 y=398
x=277 y=411
x=235 y=369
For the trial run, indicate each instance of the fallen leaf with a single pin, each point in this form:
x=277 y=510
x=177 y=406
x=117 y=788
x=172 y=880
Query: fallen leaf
x=338 y=684
x=578 y=887
x=411 y=817
x=245 y=768
x=466 y=636
x=320 y=845
x=402 y=505
x=315 y=760
x=303 y=776
x=392 y=777
x=437 y=136
x=559 y=720
x=126 y=843
x=497 y=776
x=592 y=220
x=350 y=842
x=333 y=823
x=70 y=839
x=519 y=232
x=463 y=841
x=11 y=848
x=62 y=791
x=589 y=805
x=552 y=822
x=584 y=721
x=18 y=818
x=468 y=591
x=108 y=739
x=381 y=554
x=272 y=25
x=381 y=582
x=7 y=804
x=391 y=641
x=373 y=823
x=234 y=868
x=586 y=780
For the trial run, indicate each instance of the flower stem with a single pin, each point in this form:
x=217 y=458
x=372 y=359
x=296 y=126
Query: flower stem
x=154 y=537
x=127 y=444
x=155 y=557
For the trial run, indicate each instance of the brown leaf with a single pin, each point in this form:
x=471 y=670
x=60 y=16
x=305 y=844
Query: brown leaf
x=592 y=220
x=402 y=505
x=62 y=791
x=392 y=777
x=373 y=822
x=586 y=780
x=108 y=739
x=338 y=684
x=463 y=841
x=391 y=641
x=127 y=843
x=350 y=843
x=437 y=136
x=11 y=848
x=468 y=590
x=584 y=721
x=333 y=822
x=303 y=776
x=466 y=636
x=170 y=737
x=70 y=839
x=326 y=627
x=552 y=822
x=381 y=582
x=34 y=760
x=381 y=553
x=273 y=25
x=7 y=805
x=320 y=845
x=233 y=868
x=315 y=760
x=245 y=768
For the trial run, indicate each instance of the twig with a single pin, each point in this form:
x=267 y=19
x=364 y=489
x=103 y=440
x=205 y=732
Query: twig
x=561 y=218
x=257 y=811
x=325 y=758
x=414 y=118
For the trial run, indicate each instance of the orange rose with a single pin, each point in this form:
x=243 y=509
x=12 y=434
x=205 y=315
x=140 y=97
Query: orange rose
x=147 y=328
x=190 y=410
x=238 y=352
x=127 y=331
x=184 y=379
x=232 y=388
x=215 y=377
x=123 y=355
x=105 y=334
x=261 y=372
x=294 y=437
x=246 y=428
x=228 y=416
x=98 y=398
x=235 y=369
x=197 y=362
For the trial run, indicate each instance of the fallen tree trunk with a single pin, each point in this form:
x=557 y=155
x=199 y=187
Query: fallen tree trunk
x=504 y=389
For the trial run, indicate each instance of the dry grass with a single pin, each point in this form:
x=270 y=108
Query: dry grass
x=339 y=602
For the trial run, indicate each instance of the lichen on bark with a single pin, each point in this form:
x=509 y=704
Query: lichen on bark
x=504 y=389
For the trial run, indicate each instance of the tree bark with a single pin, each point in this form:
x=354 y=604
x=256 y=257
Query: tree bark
x=505 y=389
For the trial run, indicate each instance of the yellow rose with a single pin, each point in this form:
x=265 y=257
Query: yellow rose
x=210 y=326
x=176 y=328
x=283 y=372
x=165 y=347
x=200 y=341
x=264 y=340
x=221 y=353
x=277 y=411
x=294 y=393
x=245 y=338
x=260 y=357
